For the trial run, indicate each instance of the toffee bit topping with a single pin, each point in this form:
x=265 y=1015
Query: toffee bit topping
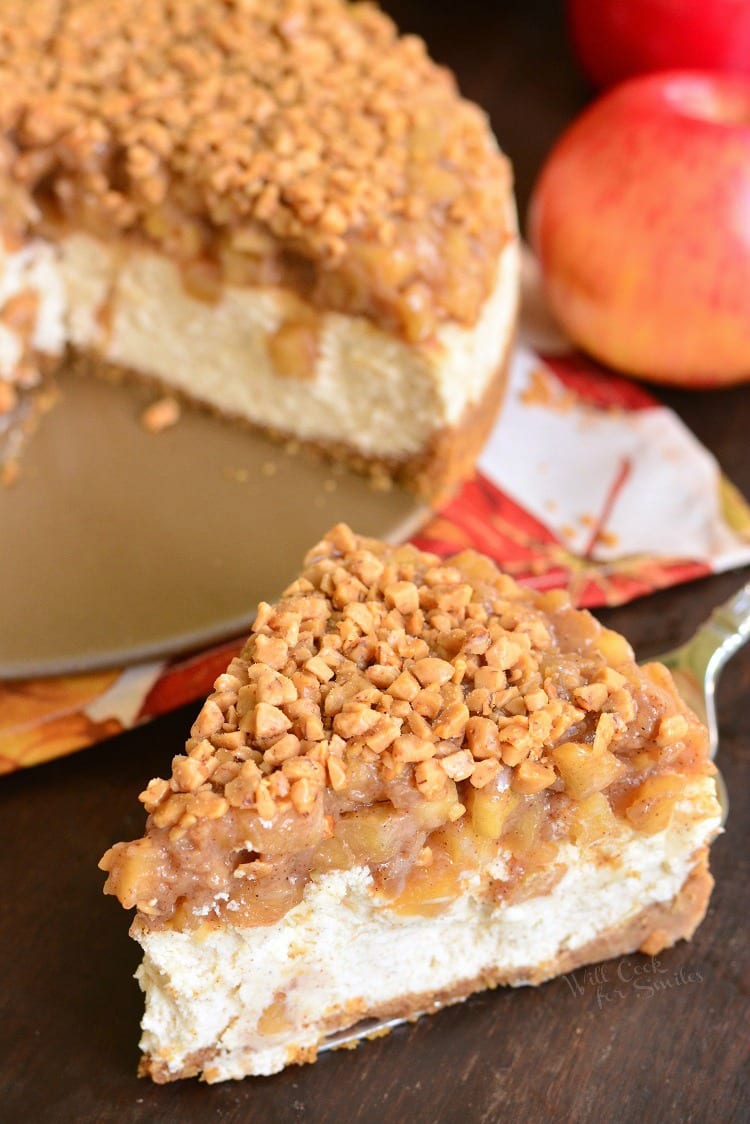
x=332 y=676
x=399 y=712
x=261 y=135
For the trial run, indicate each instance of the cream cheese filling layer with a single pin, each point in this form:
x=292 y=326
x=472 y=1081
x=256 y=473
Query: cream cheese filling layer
x=367 y=388
x=340 y=946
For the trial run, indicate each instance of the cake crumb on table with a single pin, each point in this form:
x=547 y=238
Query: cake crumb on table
x=161 y=415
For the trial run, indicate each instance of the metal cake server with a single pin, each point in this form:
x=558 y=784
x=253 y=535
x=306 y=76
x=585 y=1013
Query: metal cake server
x=695 y=666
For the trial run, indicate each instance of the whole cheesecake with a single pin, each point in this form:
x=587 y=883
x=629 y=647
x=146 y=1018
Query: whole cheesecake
x=278 y=208
x=418 y=780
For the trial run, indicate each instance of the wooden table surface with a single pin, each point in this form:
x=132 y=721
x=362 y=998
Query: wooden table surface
x=666 y=1046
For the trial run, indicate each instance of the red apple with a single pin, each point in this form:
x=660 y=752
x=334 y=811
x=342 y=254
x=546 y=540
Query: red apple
x=615 y=39
x=641 y=222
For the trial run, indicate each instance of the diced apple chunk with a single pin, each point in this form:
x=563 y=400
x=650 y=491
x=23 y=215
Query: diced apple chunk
x=375 y=834
x=275 y=1019
x=465 y=848
x=490 y=809
x=522 y=833
x=431 y=814
x=614 y=647
x=653 y=804
x=584 y=770
x=331 y=854
x=429 y=891
x=593 y=821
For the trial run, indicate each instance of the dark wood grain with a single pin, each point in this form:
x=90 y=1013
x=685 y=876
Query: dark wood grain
x=573 y=1050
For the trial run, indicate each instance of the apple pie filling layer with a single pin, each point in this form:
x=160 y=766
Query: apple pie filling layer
x=432 y=721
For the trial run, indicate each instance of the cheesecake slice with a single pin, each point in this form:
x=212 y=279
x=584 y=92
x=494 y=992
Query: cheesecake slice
x=418 y=780
x=277 y=208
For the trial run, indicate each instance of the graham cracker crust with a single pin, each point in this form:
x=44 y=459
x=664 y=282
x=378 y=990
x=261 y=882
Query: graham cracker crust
x=434 y=473
x=655 y=928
